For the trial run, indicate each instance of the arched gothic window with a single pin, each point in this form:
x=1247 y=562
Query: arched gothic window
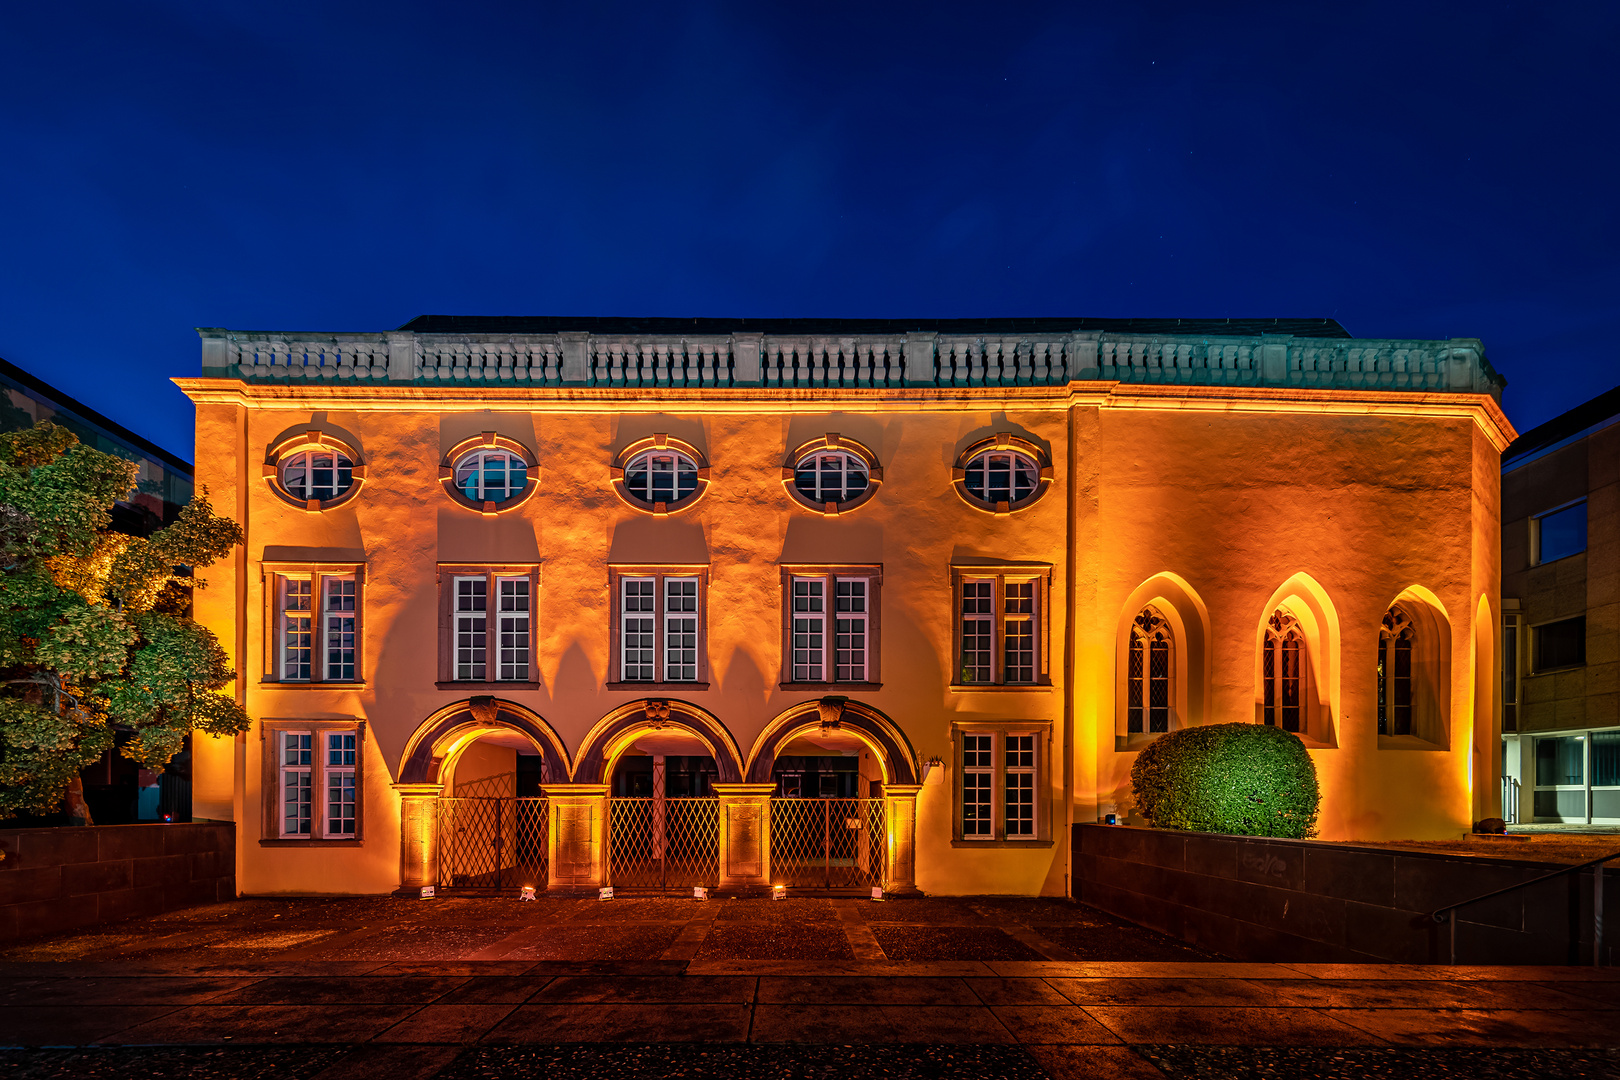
x=1395 y=640
x=1285 y=671
x=1147 y=680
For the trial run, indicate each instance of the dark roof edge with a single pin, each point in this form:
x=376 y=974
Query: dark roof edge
x=1568 y=425
x=545 y=324
x=73 y=405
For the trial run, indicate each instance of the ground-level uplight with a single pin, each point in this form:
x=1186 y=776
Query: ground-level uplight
x=778 y=892
x=699 y=892
x=427 y=892
x=877 y=892
x=605 y=893
x=527 y=893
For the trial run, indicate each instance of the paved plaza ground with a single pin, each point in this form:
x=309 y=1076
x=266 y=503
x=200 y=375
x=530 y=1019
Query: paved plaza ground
x=458 y=989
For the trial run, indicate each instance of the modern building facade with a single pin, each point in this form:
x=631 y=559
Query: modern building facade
x=1561 y=618
x=661 y=602
x=116 y=790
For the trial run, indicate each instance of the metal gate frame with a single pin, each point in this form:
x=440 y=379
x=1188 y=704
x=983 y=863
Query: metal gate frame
x=663 y=844
x=492 y=844
x=829 y=843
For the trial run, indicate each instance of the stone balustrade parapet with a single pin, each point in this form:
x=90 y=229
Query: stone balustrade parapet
x=808 y=361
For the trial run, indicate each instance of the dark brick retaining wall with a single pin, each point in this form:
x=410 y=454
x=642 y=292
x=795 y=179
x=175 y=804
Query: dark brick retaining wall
x=58 y=879
x=1307 y=901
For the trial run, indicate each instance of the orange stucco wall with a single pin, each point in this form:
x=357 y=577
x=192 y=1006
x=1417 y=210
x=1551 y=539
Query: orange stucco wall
x=1234 y=499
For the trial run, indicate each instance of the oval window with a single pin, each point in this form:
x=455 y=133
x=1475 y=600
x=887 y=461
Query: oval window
x=661 y=476
x=831 y=476
x=1002 y=476
x=322 y=475
x=491 y=476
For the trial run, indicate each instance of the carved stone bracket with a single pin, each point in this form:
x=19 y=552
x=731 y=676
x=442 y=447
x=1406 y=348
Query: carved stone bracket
x=832 y=713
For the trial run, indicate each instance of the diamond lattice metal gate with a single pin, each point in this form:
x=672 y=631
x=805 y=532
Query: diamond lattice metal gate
x=663 y=844
x=829 y=843
x=493 y=845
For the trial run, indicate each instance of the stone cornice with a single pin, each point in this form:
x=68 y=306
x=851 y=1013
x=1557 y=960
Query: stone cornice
x=1481 y=408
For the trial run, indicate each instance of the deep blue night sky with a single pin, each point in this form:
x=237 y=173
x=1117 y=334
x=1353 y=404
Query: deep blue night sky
x=1412 y=170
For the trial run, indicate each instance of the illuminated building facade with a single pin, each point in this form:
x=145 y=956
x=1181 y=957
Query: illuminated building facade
x=579 y=602
x=1561 y=628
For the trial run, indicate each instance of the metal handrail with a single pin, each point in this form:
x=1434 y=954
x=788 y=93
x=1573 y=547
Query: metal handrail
x=1445 y=916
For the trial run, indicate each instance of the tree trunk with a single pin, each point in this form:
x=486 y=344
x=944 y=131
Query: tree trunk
x=78 y=810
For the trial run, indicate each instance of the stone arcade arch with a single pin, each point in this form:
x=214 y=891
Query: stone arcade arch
x=430 y=756
x=886 y=741
x=614 y=733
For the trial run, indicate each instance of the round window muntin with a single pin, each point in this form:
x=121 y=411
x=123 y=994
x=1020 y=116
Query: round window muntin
x=472 y=474
x=661 y=474
x=850 y=476
x=316 y=474
x=1002 y=475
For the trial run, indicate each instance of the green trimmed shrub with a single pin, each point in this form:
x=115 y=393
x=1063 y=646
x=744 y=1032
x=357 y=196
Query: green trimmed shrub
x=1241 y=779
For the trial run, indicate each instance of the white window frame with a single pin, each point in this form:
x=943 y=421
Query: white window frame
x=475 y=459
x=853 y=588
x=674 y=622
x=327 y=774
x=847 y=463
x=305 y=459
x=681 y=462
x=505 y=586
x=678 y=625
x=1002 y=779
x=992 y=620
x=978 y=777
x=295 y=776
x=341 y=751
x=330 y=619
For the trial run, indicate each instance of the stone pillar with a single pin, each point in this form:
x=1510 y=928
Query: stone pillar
x=919 y=357
x=745 y=836
x=1081 y=355
x=576 y=842
x=745 y=354
x=418 y=837
x=401 y=356
x=576 y=355
x=900 y=806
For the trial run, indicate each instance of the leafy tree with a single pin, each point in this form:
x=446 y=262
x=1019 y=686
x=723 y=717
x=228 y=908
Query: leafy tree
x=94 y=638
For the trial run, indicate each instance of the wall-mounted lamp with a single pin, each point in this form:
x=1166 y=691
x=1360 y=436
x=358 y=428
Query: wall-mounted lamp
x=933 y=771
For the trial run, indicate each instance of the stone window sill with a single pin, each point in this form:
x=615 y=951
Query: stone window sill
x=664 y=687
x=278 y=684
x=469 y=684
x=1001 y=688
x=284 y=843
x=830 y=687
x=1001 y=843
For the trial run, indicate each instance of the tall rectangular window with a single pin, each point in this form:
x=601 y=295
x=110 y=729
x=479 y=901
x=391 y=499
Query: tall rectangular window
x=978 y=787
x=809 y=629
x=1019 y=631
x=340 y=787
x=1020 y=788
x=978 y=631
x=513 y=627
x=1510 y=673
x=640 y=629
x=297 y=791
x=659 y=636
x=312 y=780
x=849 y=631
x=829 y=625
x=314 y=612
x=297 y=629
x=999 y=796
x=680 y=629
x=486 y=621
x=339 y=612
x=1000 y=625
x=472 y=628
